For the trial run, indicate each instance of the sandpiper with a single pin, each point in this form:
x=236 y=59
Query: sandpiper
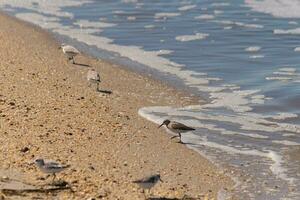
x=70 y=51
x=148 y=182
x=94 y=77
x=176 y=127
x=50 y=167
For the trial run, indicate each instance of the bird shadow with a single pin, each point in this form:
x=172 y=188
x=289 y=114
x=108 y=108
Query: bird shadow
x=166 y=198
x=104 y=91
x=188 y=143
x=81 y=64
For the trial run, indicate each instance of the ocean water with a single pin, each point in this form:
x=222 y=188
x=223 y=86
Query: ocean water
x=241 y=57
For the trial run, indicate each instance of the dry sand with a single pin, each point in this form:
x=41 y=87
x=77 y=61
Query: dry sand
x=47 y=107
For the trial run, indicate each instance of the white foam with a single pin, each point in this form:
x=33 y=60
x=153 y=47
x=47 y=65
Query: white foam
x=239 y=24
x=221 y=4
x=187 y=7
x=119 y=12
x=237 y=100
x=164 y=52
x=277 y=8
x=187 y=38
x=286 y=142
x=131 y=18
x=166 y=15
x=256 y=56
x=293 y=23
x=282 y=116
x=129 y=1
x=205 y=16
x=285 y=73
x=253 y=48
x=53 y=7
x=279 y=78
x=295 y=31
x=277 y=167
x=218 y=12
x=150 y=26
x=297 y=49
x=93 y=24
x=227 y=28
x=288 y=69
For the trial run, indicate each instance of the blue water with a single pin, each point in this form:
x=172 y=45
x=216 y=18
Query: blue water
x=250 y=120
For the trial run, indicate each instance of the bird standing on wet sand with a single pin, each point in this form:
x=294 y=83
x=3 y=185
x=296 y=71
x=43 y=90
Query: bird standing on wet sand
x=176 y=127
x=93 y=76
x=70 y=51
x=148 y=182
x=50 y=167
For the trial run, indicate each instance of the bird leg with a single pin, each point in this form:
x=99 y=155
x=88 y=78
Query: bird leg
x=180 y=139
x=175 y=136
x=98 y=87
x=54 y=176
x=73 y=60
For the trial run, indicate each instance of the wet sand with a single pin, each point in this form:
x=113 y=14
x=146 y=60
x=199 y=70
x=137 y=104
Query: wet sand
x=48 y=110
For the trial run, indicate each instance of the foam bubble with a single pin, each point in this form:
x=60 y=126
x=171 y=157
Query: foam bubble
x=285 y=73
x=256 y=56
x=221 y=4
x=131 y=18
x=253 y=48
x=288 y=69
x=227 y=28
x=279 y=78
x=205 y=16
x=218 y=12
x=293 y=23
x=129 y=1
x=187 y=7
x=93 y=24
x=166 y=15
x=197 y=36
x=239 y=24
x=295 y=31
x=164 y=52
x=150 y=26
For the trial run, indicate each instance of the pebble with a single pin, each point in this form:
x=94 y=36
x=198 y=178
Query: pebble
x=24 y=149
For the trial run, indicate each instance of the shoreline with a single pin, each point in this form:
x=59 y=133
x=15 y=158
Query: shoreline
x=101 y=136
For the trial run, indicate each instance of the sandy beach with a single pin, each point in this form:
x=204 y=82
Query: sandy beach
x=48 y=110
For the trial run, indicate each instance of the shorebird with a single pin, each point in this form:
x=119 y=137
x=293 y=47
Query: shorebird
x=176 y=127
x=148 y=182
x=94 y=77
x=70 y=51
x=50 y=167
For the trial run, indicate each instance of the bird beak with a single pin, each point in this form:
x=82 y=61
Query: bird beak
x=160 y=125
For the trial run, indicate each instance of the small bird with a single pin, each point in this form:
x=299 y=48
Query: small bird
x=70 y=51
x=50 y=167
x=93 y=76
x=148 y=182
x=176 y=127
